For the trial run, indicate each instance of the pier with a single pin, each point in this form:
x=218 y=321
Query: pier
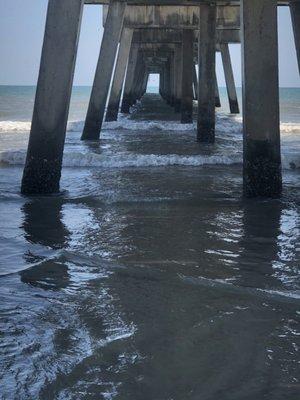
x=177 y=39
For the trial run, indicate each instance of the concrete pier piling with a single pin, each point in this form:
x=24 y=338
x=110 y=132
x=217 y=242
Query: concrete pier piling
x=187 y=76
x=229 y=78
x=206 y=74
x=47 y=136
x=295 y=14
x=133 y=56
x=109 y=45
x=262 y=162
x=195 y=82
x=217 y=93
x=142 y=37
x=119 y=75
x=178 y=75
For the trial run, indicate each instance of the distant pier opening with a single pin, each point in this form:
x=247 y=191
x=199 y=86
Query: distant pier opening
x=153 y=83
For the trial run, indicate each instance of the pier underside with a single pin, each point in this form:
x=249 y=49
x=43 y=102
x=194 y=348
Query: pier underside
x=177 y=40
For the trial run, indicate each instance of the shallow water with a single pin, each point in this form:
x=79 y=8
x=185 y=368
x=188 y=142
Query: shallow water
x=149 y=277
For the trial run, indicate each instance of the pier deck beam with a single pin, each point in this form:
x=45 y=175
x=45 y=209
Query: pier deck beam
x=262 y=161
x=46 y=142
x=206 y=75
x=109 y=45
x=119 y=75
x=229 y=78
x=295 y=14
x=187 y=76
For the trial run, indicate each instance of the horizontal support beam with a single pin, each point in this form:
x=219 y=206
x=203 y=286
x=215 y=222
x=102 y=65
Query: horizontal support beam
x=176 y=17
x=177 y=2
x=153 y=35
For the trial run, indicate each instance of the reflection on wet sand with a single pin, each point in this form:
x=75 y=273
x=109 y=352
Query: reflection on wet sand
x=42 y=224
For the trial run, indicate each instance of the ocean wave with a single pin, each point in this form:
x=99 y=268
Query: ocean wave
x=78 y=159
x=15 y=126
x=223 y=123
x=124 y=123
x=288 y=127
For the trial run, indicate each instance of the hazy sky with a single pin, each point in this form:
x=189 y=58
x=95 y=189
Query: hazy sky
x=22 y=29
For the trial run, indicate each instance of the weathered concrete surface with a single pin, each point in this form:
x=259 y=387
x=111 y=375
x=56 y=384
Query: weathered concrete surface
x=178 y=16
x=206 y=74
x=119 y=75
x=46 y=142
x=262 y=162
x=229 y=78
x=126 y=101
x=111 y=36
x=168 y=35
x=187 y=77
x=295 y=14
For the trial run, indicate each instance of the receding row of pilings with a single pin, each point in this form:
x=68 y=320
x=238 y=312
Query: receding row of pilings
x=175 y=61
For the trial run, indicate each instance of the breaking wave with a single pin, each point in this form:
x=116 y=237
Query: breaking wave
x=224 y=122
x=80 y=159
x=227 y=127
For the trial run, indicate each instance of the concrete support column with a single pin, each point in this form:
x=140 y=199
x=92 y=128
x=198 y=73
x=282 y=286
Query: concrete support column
x=160 y=86
x=217 y=94
x=46 y=142
x=295 y=14
x=109 y=45
x=172 y=80
x=145 y=82
x=230 y=85
x=139 y=88
x=262 y=161
x=166 y=82
x=133 y=56
x=187 y=76
x=195 y=82
x=119 y=75
x=178 y=75
x=207 y=65
x=138 y=81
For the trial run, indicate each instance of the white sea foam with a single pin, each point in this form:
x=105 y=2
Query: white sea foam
x=288 y=127
x=228 y=128
x=79 y=159
x=14 y=126
x=224 y=123
x=123 y=124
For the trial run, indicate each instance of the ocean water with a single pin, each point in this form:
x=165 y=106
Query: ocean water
x=148 y=276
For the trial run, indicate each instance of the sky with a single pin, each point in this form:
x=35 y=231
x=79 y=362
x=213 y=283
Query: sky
x=22 y=25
